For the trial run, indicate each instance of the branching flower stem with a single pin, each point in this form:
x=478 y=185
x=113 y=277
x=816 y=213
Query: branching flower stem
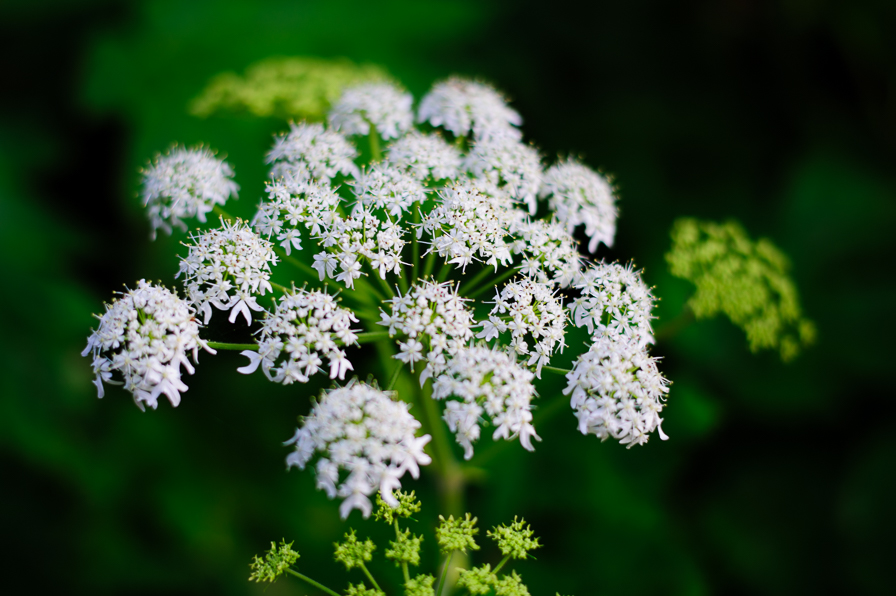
x=310 y=581
x=492 y=283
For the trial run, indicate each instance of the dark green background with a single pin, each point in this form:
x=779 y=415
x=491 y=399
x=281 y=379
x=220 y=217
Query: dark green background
x=777 y=480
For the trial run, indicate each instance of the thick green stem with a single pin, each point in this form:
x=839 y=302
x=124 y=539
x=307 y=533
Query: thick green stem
x=395 y=374
x=444 y=574
x=280 y=288
x=476 y=280
x=430 y=262
x=310 y=581
x=220 y=345
x=555 y=370
x=501 y=564
x=404 y=564
x=370 y=577
x=301 y=266
x=492 y=283
x=376 y=153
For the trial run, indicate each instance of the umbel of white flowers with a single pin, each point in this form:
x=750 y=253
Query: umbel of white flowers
x=375 y=246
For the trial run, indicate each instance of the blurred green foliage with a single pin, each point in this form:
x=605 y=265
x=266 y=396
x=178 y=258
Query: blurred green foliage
x=293 y=88
x=775 y=114
x=747 y=281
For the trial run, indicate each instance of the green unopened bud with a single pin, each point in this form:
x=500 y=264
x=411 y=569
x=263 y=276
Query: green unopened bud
x=515 y=539
x=362 y=590
x=456 y=534
x=478 y=580
x=353 y=553
x=275 y=562
x=405 y=549
x=408 y=505
x=420 y=586
x=511 y=585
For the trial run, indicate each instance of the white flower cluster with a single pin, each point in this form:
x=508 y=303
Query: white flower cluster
x=461 y=106
x=433 y=318
x=185 y=183
x=581 y=196
x=359 y=236
x=528 y=308
x=381 y=105
x=510 y=164
x=362 y=431
x=387 y=187
x=145 y=337
x=617 y=391
x=549 y=252
x=425 y=156
x=304 y=327
x=292 y=202
x=309 y=151
x=615 y=302
x=465 y=226
x=226 y=268
x=490 y=381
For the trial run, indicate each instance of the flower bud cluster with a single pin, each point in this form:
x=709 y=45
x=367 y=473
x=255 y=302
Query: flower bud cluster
x=226 y=268
x=486 y=381
x=359 y=430
x=432 y=314
x=617 y=391
x=145 y=337
x=615 y=301
x=185 y=183
x=528 y=308
x=304 y=327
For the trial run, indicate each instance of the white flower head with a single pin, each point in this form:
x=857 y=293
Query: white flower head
x=617 y=391
x=381 y=105
x=425 y=156
x=615 y=301
x=366 y=441
x=513 y=166
x=185 y=183
x=304 y=328
x=549 y=252
x=388 y=187
x=226 y=268
x=434 y=321
x=144 y=338
x=309 y=151
x=460 y=106
x=579 y=196
x=528 y=309
x=467 y=226
x=486 y=381
x=295 y=204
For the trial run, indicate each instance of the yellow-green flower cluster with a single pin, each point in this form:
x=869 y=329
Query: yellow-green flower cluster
x=514 y=540
x=746 y=280
x=288 y=88
x=408 y=505
x=456 y=534
x=275 y=562
x=354 y=553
